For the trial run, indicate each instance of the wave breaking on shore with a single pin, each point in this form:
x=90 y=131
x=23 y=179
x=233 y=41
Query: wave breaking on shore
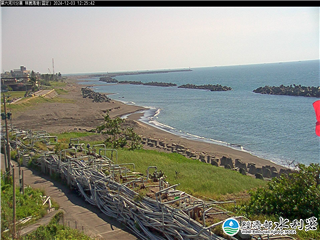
x=149 y=117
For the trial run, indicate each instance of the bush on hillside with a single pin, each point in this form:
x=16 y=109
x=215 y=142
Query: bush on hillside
x=292 y=196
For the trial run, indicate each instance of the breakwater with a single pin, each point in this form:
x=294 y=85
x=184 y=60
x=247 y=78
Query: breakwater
x=295 y=90
x=210 y=87
x=158 y=84
x=97 y=97
x=114 y=74
x=108 y=79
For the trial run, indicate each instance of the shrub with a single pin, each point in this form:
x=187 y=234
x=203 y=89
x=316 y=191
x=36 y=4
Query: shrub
x=293 y=196
x=117 y=136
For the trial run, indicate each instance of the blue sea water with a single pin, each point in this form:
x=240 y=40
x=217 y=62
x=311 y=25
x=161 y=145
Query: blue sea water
x=277 y=128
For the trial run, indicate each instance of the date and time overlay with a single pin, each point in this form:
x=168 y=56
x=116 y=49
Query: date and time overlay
x=49 y=3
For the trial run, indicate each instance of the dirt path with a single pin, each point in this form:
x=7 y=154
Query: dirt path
x=87 y=217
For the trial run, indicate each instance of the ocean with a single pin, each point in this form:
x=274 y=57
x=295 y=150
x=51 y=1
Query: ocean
x=277 y=128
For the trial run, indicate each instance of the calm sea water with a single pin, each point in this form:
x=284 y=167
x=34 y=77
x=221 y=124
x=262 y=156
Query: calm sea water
x=277 y=128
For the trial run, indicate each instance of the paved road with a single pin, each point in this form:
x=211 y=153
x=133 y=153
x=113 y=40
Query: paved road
x=94 y=222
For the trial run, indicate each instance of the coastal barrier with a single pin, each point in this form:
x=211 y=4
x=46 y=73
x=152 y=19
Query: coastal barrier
x=114 y=74
x=226 y=162
x=157 y=84
x=97 y=97
x=210 y=87
x=295 y=90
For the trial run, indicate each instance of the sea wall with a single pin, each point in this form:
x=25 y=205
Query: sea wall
x=226 y=162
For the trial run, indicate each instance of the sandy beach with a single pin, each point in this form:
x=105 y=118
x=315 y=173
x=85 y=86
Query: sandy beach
x=82 y=114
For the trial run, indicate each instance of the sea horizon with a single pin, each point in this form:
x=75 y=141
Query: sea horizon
x=180 y=68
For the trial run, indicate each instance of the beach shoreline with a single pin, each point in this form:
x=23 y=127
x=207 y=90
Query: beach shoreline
x=196 y=144
x=82 y=114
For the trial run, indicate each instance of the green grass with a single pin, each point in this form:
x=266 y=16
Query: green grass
x=56 y=84
x=28 y=204
x=15 y=94
x=196 y=178
x=34 y=102
x=67 y=135
x=308 y=235
x=54 y=230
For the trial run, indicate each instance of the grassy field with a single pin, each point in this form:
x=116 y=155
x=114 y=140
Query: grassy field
x=14 y=94
x=196 y=178
x=65 y=137
x=55 y=84
x=32 y=102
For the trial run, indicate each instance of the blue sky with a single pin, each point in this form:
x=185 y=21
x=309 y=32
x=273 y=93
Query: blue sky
x=106 y=39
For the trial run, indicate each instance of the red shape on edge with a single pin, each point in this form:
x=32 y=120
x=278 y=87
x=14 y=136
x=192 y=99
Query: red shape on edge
x=316 y=106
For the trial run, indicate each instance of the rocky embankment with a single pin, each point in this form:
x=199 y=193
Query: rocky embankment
x=108 y=79
x=160 y=84
x=295 y=90
x=210 y=87
x=226 y=162
x=131 y=82
x=97 y=97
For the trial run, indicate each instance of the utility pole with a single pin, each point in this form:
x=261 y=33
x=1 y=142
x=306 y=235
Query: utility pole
x=14 y=205
x=52 y=66
x=7 y=165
